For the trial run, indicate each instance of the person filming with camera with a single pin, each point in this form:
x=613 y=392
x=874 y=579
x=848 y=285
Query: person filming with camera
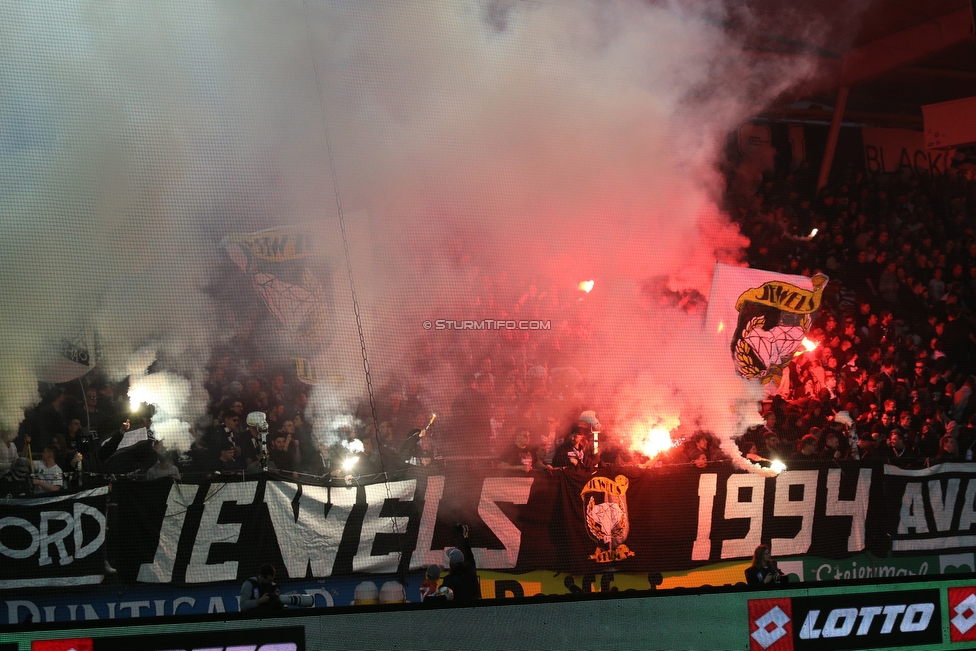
x=260 y=595
x=763 y=570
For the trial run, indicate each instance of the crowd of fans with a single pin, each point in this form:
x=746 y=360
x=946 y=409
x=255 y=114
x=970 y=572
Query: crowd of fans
x=891 y=378
x=895 y=336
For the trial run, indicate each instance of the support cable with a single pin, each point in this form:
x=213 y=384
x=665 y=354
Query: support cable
x=352 y=285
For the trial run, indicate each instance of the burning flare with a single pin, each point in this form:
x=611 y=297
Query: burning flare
x=808 y=347
x=139 y=395
x=586 y=286
x=658 y=440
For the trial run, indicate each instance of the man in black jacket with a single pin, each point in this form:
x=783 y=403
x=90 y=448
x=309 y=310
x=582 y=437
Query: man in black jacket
x=463 y=579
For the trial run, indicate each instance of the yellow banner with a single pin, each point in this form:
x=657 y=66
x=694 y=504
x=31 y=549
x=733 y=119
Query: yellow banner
x=606 y=485
x=501 y=585
x=785 y=296
x=276 y=244
x=308 y=372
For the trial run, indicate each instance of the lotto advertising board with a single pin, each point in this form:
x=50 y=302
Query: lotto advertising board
x=911 y=615
x=873 y=620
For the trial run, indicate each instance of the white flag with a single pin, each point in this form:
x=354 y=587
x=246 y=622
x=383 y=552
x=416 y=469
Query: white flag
x=761 y=317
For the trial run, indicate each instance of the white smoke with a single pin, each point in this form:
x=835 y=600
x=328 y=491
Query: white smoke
x=535 y=142
x=168 y=392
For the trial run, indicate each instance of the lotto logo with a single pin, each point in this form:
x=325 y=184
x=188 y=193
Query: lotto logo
x=770 y=625
x=75 y=644
x=962 y=614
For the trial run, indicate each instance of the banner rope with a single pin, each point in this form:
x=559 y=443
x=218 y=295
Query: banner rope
x=352 y=285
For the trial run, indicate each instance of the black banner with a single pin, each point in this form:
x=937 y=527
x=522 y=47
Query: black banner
x=630 y=521
x=932 y=509
x=53 y=541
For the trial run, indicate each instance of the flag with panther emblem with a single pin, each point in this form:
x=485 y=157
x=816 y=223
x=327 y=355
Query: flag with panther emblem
x=762 y=317
x=296 y=287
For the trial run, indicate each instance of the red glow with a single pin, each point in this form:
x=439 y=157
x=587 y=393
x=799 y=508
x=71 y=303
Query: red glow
x=658 y=440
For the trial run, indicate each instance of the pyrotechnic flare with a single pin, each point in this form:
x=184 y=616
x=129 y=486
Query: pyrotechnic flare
x=658 y=440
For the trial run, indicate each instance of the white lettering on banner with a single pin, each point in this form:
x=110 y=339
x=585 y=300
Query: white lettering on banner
x=373 y=523
x=326 y=596
x=502 y=489
x=857 y=508
x=313 y=539
x=46 y=534
x=826 y=571
x=802 y=508
x=968 y=515
x=942 y=509
x=213 y=532
x=912 y=515
x=216 y=605
x=82 y=549
x=13 y=611
x=423 y=555
x=868 y=613
x=702 y=548
x=924 y=613
x=177 y=503
x=134 y=607
x=915 y=502
x=840 y=621
x=57 y=538
x=31 y=530
x=752 y=509
x=891 y=616
x=89 y=613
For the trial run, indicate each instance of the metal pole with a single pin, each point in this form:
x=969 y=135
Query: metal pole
x=832 y=136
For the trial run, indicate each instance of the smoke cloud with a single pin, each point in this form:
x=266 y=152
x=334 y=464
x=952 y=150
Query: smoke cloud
x=480 y=149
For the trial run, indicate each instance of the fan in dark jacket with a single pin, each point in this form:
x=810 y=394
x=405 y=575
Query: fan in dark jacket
x=463 y=579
